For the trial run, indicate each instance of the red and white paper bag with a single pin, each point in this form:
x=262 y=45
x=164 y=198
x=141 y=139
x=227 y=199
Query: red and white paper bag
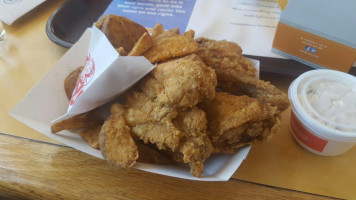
x=105 y=75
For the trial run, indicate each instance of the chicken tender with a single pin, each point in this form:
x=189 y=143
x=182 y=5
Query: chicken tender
x=235 y=121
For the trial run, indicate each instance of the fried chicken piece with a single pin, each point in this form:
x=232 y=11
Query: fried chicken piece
x=181 y=132
x=236 y=75
x=157 y=30
x=170 y=45
x=254 y=87
x=149 y=153
x=235 y=121
x=71 y=80
x=196 y=146
x=182 y=82
x=195 y=151
x=84 y=120
x=191 y=121
x=121 y=51
x=190 y=33
x=150 y=121
x=120 y=31
x=225 y=58
x=116 y=143
x=169 y=33
x=143 y=44
x=91 y=135
x=164 y=110
x=119 y=146
x=99 y=24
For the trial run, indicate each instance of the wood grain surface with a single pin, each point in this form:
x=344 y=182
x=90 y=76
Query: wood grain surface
x=34 y=54
x=31 y=169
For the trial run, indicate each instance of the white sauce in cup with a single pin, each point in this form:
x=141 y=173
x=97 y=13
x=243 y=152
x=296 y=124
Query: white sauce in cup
x=323 y=118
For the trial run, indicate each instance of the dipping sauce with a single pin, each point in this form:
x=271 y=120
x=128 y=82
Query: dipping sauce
x=323 y=117
x=332 y=103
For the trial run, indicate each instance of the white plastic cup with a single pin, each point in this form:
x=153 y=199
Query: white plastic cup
x=320 y=133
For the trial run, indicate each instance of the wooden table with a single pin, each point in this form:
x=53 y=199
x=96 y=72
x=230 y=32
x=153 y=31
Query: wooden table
x=34 y=169
x=31 y=169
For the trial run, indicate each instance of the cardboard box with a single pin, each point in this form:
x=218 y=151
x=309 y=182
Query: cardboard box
x=319 y=33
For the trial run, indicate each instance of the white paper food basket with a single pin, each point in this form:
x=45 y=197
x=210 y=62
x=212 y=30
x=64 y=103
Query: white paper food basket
x=47 y=101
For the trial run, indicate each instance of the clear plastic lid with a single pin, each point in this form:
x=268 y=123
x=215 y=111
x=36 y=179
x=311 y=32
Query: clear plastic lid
x=330 y=101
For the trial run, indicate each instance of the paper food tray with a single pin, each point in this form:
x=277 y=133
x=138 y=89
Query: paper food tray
x=47 y=101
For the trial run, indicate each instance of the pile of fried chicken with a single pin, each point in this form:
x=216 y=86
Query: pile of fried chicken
x=203 y=97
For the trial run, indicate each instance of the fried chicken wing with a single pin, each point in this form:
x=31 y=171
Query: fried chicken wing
x=235 y=121
x=236 y=75
x=254 y=87
x=225 y=58
x=196 y=146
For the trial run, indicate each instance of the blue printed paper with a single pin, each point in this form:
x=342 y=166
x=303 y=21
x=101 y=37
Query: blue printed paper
x=170 y=13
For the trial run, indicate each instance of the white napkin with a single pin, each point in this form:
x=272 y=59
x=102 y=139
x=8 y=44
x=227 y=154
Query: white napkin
x=11 y=10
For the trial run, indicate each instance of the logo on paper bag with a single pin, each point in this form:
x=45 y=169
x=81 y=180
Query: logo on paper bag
x=85 y=77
